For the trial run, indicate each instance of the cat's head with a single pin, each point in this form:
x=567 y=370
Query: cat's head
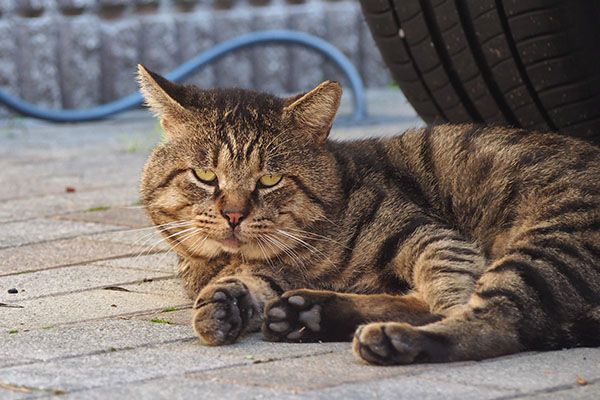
x=239 y=171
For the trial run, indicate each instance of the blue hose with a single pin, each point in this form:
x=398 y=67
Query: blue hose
x=210 y=55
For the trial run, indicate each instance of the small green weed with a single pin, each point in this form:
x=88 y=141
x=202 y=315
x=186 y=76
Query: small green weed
x=161 y=321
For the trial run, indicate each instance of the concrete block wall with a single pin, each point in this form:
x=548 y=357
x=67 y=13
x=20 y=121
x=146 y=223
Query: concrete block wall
x=80 y=53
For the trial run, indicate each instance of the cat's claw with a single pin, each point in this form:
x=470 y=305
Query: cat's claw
x=294 y=317
x=222 y=312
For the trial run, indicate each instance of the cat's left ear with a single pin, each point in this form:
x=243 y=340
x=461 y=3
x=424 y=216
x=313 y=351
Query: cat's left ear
x=165 y=99
x=314 y=112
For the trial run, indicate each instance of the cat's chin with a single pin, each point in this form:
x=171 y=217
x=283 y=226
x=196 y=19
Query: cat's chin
x=231 y=244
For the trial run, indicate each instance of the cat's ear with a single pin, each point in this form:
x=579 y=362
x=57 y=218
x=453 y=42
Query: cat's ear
x=314 y=111
x=165 y=99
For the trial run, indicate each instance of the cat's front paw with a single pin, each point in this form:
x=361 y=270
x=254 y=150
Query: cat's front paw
x=306 y=316
x=223 y=310
x=388 y=343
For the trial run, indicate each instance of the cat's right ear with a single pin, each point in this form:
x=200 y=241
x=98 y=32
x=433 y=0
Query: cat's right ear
x=165 y=99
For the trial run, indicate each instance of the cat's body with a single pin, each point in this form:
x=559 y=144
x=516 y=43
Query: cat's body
x=447 y=243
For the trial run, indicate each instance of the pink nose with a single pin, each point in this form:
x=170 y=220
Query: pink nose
x=234 y=217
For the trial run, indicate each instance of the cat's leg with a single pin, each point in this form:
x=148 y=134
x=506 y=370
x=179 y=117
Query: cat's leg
x=521 y=303
x=318 y=315
x=233 y=305
x=437 y=261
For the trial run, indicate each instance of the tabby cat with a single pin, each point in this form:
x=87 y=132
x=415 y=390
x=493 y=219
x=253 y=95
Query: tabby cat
x=446 y=243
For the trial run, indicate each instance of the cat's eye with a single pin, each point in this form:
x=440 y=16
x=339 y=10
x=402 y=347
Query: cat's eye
x=269 y=180
x=205 y=175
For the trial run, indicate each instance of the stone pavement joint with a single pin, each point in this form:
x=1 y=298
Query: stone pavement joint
x=99 y=313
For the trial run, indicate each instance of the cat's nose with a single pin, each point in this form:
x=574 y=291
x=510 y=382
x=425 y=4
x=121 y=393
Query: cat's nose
x=234 y=217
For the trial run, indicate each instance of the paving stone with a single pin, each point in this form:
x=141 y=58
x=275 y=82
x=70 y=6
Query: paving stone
x=256 y=351
x=177 y=388
x=152 y=240
x=85 y=339
x=401 y=387
x=179 y=317
x=61 y=253
x=82 y=306
x=129 y=216
x=527 y=372
x=166 y=262
x=70 y=279
x=164 y=287
x=309 y=373
x=114 y=368
x=42 y=230
x=52 y=164
x=196 y=34
x=51 y=205
x=79 y=43
x=577 y=392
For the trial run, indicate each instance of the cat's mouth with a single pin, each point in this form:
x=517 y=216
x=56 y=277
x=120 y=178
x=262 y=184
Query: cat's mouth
x=231 y=242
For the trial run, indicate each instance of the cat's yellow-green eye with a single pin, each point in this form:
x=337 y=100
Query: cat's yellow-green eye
x=269 y=180
x=205 y=175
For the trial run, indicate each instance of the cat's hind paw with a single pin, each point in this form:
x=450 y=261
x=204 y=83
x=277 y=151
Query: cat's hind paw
x=222 y=312
x=389 y=343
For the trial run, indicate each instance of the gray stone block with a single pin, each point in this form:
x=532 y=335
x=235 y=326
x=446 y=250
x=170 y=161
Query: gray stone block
x=585 y=391
x=235 y=70
x=8 y=61
x=131 y=217
x=151 y=239
x=406 y=388
x=32 y=7
x=166 y=262
x=526 y=372
x=179 y=317
x=38 y=73
x=59 y=253
x=53 y=205
x=79 y=61
x=113 y=369
x=371 y=66
x=306 y=66
x=87 y=338
x=75 y=4
x=342 y=21
x=83 y=306
x=158 y=41
x=195 y=34
x=163 y=287
x=42 y=230
x=252 y=348
x=119 y=56
x=58 y=281
x=177 y=388
x=271 y=62
x=310 y=373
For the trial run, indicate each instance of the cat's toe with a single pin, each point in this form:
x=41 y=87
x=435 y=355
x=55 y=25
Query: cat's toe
x=388 y=343
x=292 y=317
x=222 y=314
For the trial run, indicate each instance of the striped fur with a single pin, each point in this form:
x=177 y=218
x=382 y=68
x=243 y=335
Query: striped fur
x=446 y=243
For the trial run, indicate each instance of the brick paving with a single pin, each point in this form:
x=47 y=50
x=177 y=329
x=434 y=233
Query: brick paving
x=100 y=314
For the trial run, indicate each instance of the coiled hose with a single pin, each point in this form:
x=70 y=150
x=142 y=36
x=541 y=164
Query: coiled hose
x=208 y=56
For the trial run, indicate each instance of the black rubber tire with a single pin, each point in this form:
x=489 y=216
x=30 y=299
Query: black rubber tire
x=525 y=63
